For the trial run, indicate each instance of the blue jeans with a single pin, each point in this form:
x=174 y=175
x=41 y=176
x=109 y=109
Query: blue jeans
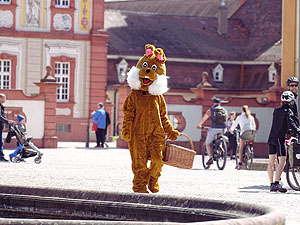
x=1 y=146
x=15 y=153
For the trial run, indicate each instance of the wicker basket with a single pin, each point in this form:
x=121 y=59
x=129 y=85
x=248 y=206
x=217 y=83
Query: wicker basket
x=178 y=156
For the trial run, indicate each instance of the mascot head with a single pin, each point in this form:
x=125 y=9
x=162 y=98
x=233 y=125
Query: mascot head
x=149 y=74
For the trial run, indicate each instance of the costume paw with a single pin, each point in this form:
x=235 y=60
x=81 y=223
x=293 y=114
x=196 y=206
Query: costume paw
x=173 y=135
x=126 y=135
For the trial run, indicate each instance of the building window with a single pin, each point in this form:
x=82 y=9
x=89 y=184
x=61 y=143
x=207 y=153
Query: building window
x=62 y=3
x=173 y=120
x=62 y=75
x=272 y=72
x=5 y=74
x=62 y=128
x=5 y=2
x=218 y=73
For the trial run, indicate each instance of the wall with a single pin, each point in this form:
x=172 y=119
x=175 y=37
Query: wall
x=288 y=39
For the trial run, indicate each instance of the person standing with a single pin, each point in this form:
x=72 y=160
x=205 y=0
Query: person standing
x=99 y=118
x=284 y=119
x=3 y=120
x=107 y=124
x=292 y=84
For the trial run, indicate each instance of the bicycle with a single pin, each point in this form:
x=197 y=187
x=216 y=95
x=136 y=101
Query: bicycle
x=219 y=149
x=248 y=153
x=293 y=172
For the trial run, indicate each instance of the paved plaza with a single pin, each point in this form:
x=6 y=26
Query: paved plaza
x=72 y=166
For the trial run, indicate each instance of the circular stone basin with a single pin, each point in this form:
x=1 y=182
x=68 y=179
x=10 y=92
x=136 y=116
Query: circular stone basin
x=23 y=205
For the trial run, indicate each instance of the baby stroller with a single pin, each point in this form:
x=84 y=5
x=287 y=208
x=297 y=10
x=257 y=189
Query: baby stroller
x=22 y=152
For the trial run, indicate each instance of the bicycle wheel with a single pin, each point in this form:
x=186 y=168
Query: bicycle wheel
x=221 y=155
x=205 y=157
x=293 y=177
x=248 y=157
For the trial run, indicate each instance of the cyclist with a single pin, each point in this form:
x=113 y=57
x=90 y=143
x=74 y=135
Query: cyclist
x=216 y=127
x=284 y=119
x=292 y=84
x=246 y=122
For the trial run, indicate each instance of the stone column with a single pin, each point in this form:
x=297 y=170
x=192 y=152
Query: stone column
x=48 y=91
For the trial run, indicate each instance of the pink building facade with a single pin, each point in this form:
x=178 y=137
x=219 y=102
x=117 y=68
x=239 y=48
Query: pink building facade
x=67 y=35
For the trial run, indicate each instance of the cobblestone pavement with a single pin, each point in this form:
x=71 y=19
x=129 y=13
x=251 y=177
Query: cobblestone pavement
x=72 y=166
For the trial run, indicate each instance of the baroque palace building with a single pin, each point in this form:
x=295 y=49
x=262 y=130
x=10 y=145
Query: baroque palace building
x=67 y=35
x=238 y=43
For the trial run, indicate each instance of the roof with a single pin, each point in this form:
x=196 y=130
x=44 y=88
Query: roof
x=252 y=29
x=174 y=7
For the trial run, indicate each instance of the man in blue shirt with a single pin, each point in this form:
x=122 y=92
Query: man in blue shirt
x=99 y=118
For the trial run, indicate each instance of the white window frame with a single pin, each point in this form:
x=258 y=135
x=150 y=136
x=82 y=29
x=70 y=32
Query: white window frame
x=62 y=76
x=272 y=72
x=5 y=2
x=60 y=3
x=218 y=73
x=5 y=75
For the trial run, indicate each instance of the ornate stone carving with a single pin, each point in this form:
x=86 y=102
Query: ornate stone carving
x=62 y=22
x=33 y=13
x=6 y=18
x=48 y=77
x=204 y=82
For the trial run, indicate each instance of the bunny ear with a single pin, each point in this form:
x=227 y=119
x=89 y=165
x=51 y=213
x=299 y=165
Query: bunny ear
x=149 y=49
x=160 y=55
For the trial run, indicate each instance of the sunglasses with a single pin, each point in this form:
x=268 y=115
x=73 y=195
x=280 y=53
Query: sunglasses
x=293 y=85
x=285 y=97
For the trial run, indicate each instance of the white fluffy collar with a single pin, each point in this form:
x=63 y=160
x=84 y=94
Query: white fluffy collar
x=158 y=87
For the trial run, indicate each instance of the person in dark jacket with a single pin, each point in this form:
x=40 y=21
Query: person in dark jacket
x=292 y=84
x=3 y=120
x=107 y=124
x=284 y=120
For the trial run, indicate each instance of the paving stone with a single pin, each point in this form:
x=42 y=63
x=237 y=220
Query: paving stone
x=72 y=166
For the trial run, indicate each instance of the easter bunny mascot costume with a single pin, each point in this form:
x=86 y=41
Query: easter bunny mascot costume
x=145 y=119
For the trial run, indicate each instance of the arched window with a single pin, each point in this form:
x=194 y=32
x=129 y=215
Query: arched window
x=218 y=73
x=5 y=74
x=272 y=72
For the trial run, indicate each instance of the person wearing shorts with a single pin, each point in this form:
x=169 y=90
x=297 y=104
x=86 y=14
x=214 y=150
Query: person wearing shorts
x=215 y=129
x=284 y=120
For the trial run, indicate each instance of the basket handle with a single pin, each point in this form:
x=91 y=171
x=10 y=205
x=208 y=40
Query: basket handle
x=192 y=145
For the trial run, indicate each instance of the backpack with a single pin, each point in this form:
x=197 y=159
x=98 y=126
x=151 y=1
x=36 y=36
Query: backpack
x=220 y=115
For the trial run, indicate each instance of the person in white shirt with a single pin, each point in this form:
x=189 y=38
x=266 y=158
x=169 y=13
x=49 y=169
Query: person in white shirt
x=246 y=122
